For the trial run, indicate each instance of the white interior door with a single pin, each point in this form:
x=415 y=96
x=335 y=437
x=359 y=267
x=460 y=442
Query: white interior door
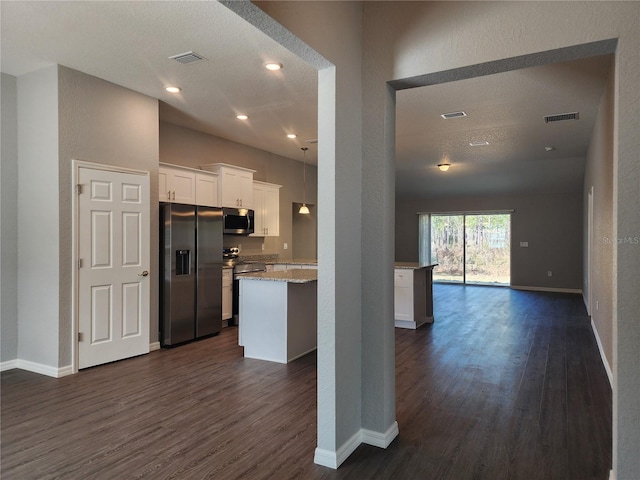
x=113 y=264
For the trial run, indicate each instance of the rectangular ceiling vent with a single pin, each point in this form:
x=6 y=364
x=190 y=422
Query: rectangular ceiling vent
x=448 y=116
x=561 y=117
x=188 y=58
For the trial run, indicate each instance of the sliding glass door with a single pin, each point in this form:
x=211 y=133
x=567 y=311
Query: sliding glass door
x=447 y=247
x=468 y=248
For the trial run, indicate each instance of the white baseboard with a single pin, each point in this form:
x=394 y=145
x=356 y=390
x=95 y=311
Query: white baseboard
x=547 y=289
x=382 y=440
x=602 y=355
x=154 y=346
x=8 y=365
x=40 y=368
x=612 y=476
x=330 y=459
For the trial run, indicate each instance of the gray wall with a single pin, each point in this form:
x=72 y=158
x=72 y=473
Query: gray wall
x=552 y=224
x=190 y=148
x=9 y=220
x=103 y=123
x=599 y=176
x=38 y=219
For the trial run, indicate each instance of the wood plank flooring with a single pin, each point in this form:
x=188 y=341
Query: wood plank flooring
x=504 y=385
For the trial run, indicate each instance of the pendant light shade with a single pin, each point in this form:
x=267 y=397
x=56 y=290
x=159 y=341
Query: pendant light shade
x=304 y=210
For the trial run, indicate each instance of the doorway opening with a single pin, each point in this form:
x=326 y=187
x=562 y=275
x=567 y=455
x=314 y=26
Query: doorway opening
x=469 y=248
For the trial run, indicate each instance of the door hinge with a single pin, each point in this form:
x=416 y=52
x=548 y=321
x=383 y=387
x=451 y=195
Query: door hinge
x=79 y=263
x=80 y=337
x=79 y=188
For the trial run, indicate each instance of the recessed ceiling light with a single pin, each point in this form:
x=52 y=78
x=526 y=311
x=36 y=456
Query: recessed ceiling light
x=449 y=116
x=479 y=144
x=444 y=166
x=242 y=117
x=550 y=148
x=274 y=67
x=172 y=89
x=292 y=135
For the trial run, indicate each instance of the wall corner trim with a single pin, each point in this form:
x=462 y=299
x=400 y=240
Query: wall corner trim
x=328 y=458
x=607 y=367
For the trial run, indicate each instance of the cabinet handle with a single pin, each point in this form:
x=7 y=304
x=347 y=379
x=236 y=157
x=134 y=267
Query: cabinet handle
x=169 y=195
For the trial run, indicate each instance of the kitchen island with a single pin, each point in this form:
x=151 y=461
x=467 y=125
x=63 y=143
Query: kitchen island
x=278 y=314
x=413 y=294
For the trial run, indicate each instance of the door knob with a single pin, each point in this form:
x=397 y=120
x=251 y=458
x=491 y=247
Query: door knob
x=143 y=274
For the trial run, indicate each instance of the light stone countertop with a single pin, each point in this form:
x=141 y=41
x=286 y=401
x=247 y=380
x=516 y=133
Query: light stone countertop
x=301 y=275
x=292 y=262
x=413 y=265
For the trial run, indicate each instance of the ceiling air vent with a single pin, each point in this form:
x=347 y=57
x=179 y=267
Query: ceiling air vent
x=448 y=116
x=188 y=58
x=561 y=117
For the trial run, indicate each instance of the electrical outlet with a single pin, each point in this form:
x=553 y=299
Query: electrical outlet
x=239 y=247
x=285 y=246
x=549 y=273
x=263 y=246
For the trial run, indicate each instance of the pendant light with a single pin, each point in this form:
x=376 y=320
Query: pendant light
x=304 y=210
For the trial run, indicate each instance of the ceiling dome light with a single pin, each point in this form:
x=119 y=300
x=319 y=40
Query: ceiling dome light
x=292 y=135
x=242 y=117
x=273 y=66
x=172 y=89
x=444 y=166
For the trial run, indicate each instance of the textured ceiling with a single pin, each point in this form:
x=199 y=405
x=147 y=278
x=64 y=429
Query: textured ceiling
x=128 y=43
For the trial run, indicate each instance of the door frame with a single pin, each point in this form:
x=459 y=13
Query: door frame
x=76 y=165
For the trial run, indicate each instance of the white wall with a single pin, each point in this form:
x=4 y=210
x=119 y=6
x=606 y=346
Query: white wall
x=38 y=220
x=599 y=177
x=103 y=123
x=9 y=220
x=550 y=223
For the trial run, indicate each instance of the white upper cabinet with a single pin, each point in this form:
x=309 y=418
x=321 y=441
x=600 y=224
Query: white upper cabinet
x=186 y=185
x=206 y=189
x=266 y=203
x=235 y=187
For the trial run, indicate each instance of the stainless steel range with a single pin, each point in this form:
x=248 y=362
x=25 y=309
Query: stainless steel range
x=232 y=258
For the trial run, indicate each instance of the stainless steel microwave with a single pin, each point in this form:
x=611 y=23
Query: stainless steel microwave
x=237 y=221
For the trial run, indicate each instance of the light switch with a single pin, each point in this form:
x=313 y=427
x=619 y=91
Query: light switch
x=524 y=244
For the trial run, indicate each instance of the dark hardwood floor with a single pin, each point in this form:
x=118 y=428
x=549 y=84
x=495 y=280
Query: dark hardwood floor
x=505 y=385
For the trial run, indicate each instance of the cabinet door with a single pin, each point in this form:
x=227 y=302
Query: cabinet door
x=245 y=189
x=206 y=190
x=227 y=294
x=229 y=189
x=163 y=185
x=259 y=229
x=403 y=294
x=183 y=186
x=271 y=211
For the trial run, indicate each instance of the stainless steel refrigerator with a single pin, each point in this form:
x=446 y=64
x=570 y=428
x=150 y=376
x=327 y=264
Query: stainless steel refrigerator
x=191 y=265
